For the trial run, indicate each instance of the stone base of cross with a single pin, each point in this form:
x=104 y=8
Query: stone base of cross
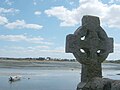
x=90 y=45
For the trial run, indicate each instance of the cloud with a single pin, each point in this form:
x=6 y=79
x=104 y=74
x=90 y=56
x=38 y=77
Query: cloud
x=55 y=50
x=108 y=13
x=24 y=38
x=71 y=3
x=3 y=12
x=8 y=11
x=113 y=1
x=116 y=53
x=117 y=48
x=39 y=47
x=12 y=37
x=34 y=2
x=37 y=12
x=8 y=2
x=21 y=24
x=112 y=17
x=18 y=24
x=63 y=14
x=3 y=20
x=30 y=51
x=33 y=51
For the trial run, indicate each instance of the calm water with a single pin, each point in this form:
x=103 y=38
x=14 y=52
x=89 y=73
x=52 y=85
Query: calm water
x=39 y=79
x=49 y=79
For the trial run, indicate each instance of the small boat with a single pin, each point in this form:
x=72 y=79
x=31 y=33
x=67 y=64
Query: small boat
x=14 y=78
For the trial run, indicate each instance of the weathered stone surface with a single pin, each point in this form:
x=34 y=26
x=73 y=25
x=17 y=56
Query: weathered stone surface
x=90 y=45
x=115 y=85
x=97 y=84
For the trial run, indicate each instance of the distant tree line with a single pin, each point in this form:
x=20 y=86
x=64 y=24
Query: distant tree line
x=39 y=58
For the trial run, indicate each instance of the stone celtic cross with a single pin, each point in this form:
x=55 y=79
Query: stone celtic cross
x=90 y=45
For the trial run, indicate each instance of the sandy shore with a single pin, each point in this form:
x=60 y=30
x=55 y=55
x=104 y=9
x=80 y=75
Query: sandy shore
x=41 y=64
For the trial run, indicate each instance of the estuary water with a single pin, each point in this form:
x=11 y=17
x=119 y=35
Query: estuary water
x=35 y=78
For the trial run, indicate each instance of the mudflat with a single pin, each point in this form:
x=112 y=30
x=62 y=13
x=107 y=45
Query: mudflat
x=41 y=64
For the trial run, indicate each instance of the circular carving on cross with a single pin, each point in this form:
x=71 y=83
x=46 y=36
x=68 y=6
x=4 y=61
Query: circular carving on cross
x=89 y=44
x=93 y=46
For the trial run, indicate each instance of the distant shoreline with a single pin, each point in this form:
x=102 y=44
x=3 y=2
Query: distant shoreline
x=38 y=59
x=42 y=64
